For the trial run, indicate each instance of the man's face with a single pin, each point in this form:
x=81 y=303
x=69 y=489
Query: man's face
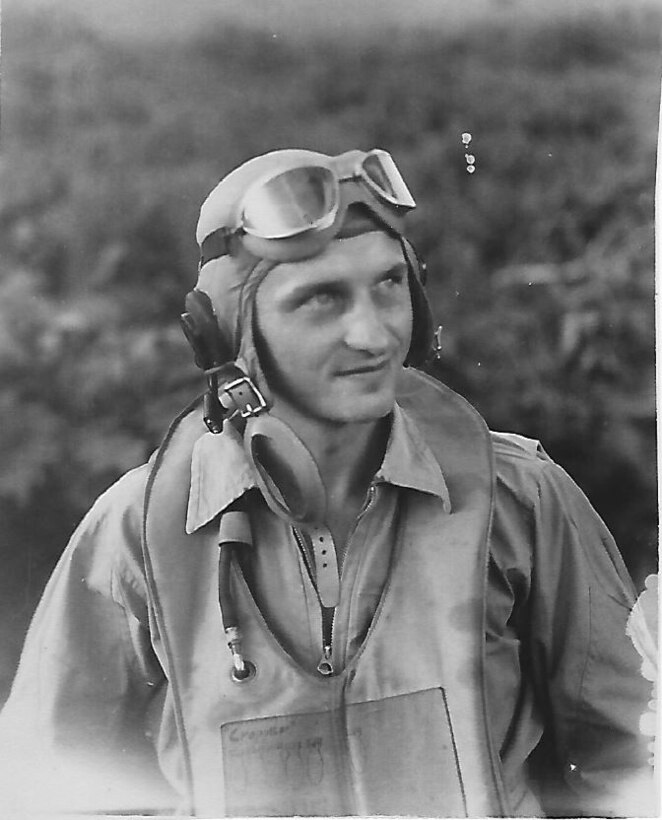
x=334 y=330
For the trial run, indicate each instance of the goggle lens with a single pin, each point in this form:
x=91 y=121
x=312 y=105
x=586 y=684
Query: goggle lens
x=291 y=203
x=379 y=171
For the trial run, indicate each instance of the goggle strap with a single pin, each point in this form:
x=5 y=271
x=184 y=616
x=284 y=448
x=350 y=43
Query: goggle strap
x=215 y=245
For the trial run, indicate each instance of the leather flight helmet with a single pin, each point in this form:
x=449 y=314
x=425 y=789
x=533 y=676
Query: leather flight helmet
x=287 y=205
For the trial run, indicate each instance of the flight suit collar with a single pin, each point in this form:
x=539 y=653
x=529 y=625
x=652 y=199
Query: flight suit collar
x=221 y=473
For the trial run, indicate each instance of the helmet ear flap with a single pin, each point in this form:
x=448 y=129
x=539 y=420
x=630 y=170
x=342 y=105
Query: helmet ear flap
x=202 y=332
x=421 y=346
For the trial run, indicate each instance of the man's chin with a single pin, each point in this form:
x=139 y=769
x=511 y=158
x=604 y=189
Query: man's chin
x=365 y=408
x=333 y=407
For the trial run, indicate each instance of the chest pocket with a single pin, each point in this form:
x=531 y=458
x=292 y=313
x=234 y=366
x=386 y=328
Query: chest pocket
x=394 y=756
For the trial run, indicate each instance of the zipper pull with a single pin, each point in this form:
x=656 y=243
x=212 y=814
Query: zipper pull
x=325 y=666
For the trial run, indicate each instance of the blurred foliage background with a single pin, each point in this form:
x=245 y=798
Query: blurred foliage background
x=540 y=263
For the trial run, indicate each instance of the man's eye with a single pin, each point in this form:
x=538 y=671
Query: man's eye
x=322 y=299
x=393 y=282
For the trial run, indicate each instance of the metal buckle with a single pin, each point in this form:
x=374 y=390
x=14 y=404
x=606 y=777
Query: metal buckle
x=245 y=408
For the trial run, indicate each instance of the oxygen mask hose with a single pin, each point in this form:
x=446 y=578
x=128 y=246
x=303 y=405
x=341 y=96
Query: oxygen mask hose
x=234 y=533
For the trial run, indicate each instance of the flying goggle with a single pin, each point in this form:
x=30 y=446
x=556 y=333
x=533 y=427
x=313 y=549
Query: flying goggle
x=290 y=214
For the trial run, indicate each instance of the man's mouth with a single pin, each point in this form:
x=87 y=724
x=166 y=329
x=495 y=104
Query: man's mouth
x=366 y=368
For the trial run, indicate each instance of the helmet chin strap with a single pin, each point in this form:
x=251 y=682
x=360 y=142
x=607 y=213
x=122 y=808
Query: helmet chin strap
x=285 y=471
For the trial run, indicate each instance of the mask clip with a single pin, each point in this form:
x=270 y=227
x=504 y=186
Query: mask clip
x=437 y=348
x=213 y=412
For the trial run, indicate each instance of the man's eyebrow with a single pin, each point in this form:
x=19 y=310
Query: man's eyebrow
x=399 y=267
x=303 y=290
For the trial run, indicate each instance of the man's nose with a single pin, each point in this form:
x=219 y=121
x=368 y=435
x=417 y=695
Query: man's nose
x=366 y=328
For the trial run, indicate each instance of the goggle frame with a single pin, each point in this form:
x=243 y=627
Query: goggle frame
x=330 y=179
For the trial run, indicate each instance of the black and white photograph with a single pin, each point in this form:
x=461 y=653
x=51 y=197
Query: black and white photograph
x=329 y=439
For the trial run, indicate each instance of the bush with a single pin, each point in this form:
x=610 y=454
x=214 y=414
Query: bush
x=540 y=263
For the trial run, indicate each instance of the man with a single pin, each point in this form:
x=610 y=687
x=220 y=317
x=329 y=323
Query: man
x=423 y=617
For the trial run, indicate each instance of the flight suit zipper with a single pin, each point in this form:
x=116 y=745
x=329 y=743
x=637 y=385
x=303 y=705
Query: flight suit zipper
x=325 y=666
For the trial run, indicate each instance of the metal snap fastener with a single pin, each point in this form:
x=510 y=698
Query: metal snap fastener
x=243 y=677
